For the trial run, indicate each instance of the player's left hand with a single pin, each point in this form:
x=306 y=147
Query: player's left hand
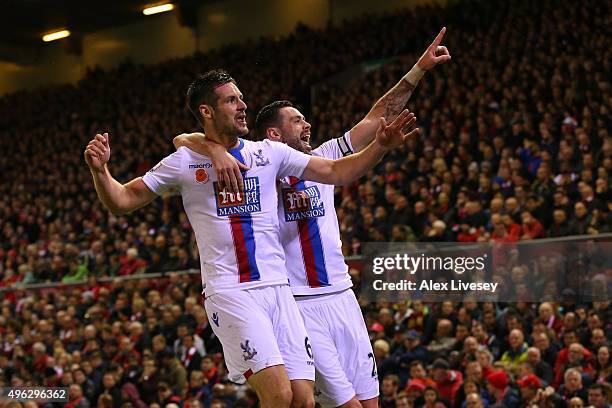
x=394 y=134
x=434 y=54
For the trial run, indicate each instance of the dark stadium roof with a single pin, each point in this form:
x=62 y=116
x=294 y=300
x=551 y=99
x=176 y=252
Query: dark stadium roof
x=23 y=22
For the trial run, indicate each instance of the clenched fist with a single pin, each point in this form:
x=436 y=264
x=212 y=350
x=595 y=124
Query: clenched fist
x=97 y=153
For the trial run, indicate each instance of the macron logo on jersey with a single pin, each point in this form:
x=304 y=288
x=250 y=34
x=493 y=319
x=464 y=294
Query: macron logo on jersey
x=200 y=166
x=245 y=202
x=302 y=204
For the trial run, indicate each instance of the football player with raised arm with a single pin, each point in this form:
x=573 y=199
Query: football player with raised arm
x=318 y=275
x=247 y=298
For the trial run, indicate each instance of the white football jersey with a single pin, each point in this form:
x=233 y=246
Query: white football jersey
x=309 y=229
x=237 y=234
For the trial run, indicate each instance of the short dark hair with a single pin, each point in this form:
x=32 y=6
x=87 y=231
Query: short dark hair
x=202 y=90
x=570 y=331
x=600 y=386
x=431 y=388
x=393 y=378
x=595 y=313
x=267 y=117
x=416 y=363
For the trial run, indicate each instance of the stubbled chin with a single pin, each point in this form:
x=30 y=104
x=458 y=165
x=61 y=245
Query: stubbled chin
x=242 y=129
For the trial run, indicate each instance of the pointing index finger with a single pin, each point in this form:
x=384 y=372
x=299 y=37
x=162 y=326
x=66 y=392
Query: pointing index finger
x=439 y=37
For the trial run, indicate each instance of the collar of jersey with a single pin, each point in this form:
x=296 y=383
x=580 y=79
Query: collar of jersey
x=236 y=153
x=235 y=150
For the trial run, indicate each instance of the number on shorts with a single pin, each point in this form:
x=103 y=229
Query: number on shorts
x=371 y=355
x=308 y=347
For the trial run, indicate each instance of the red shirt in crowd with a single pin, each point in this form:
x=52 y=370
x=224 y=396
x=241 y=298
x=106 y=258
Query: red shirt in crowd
x=450 y=386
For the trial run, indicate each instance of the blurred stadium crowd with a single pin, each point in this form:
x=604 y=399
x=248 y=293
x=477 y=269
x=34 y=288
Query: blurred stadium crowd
x=515 y=145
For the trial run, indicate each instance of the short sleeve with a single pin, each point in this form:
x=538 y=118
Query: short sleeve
x=290 y=161
x=335 y=148
x=165 y=174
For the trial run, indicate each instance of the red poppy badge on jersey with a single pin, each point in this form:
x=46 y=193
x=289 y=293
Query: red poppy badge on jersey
x=201 y=176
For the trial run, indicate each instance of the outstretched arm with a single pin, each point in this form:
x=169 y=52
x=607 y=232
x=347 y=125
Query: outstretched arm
x=392 y=103
x=118 y=198
x=350 y=168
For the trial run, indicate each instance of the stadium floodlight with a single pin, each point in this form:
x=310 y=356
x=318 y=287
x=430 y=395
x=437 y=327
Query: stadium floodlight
x=55 y=35
x=158 y=9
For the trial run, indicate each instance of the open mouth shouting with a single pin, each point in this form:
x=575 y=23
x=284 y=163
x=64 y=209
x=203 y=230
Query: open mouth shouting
x=241 y=119
x=305 y=139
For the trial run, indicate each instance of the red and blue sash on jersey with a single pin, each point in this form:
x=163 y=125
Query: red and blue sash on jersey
x=312 y=247
x=243 y=235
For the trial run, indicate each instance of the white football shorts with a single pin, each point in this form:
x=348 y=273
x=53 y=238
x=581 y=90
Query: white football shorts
x=260 y=328
x=344 y=360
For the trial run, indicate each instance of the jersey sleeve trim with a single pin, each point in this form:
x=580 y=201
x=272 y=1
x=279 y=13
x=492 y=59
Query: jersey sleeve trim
x=344 y=144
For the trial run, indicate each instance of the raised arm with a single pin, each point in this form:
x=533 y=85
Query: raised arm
x=350 y=168
x=392 y=103
x=118 y=198
x=225 y=165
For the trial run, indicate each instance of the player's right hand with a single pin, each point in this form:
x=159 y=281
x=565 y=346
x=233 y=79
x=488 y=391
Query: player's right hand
x=434 y=54
x=97 y=153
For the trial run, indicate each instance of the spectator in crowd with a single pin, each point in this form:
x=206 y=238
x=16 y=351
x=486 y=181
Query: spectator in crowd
x=110 y=387
x=190 y=356
x=149 y=379
x=539 y=367
x=414 y=350
x=431 y=397
x=389 y=391
x=517 y=353
x=575 y=355
x=130 y=395
x=575 y=403
x=443 y=342
x=415 y=390
x=474 y=400
x=529 y=387
x=76 y=399
x=167 y=396
x=172 y=373
x=448 y=382
x=403 y=401
x=500 y=393
x=548 y=351
x=572 y=385
x=603 y=366
x=599 y=395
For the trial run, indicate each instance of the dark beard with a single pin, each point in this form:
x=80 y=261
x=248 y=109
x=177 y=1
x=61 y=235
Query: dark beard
x=299 y=147
x=230 y=129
